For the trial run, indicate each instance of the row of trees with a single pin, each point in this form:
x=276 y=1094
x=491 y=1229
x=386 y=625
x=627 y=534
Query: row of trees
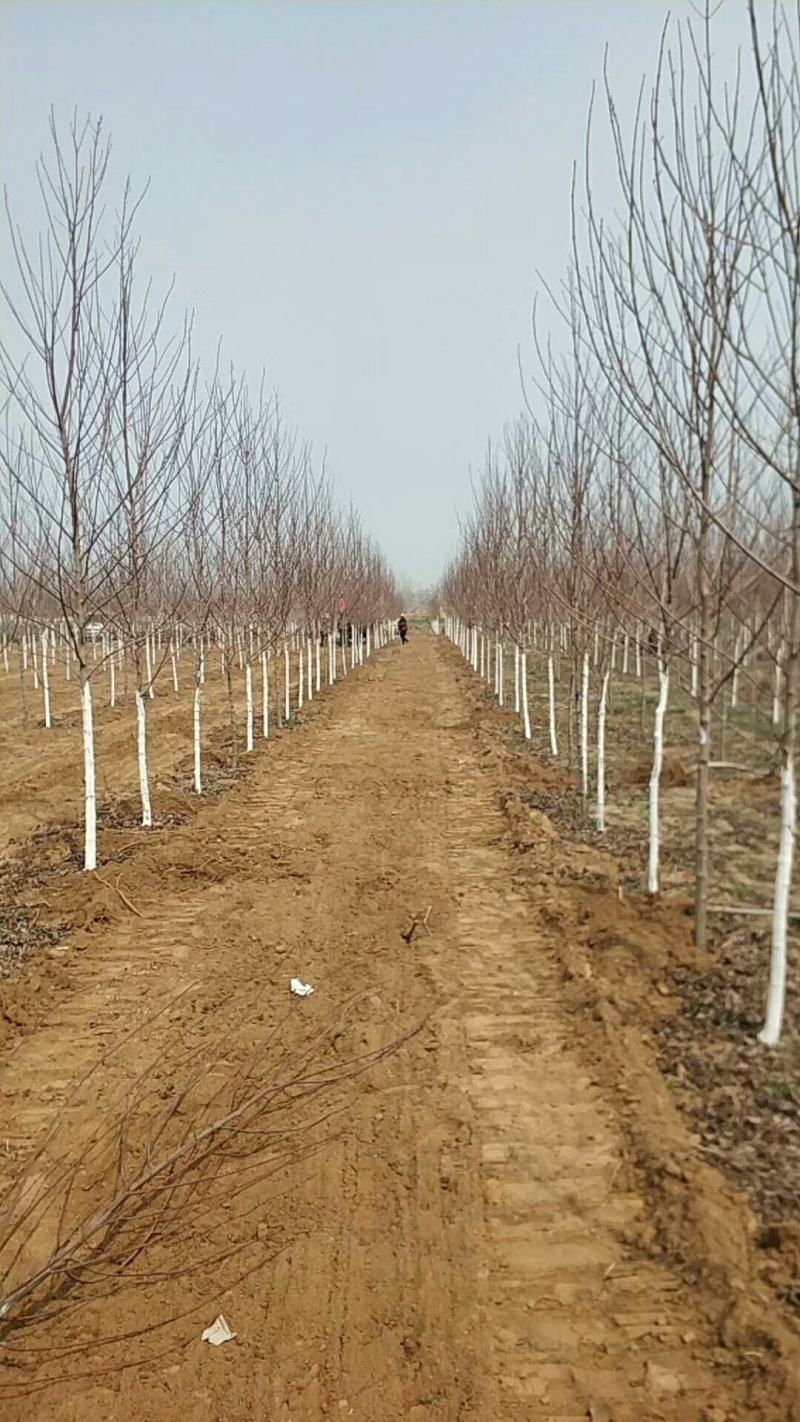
x=650 y=498
x=143 y=507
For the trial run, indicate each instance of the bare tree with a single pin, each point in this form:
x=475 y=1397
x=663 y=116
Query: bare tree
x=61 y=377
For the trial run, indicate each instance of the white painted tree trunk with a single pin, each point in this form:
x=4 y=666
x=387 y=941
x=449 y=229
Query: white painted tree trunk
x=776 y=694
x=48 y=721
x=551 y=697
x=89 y=792
x=638 y=650
x=776 y=992
x=196 y=736
x=501 y=690
x=625 y=651
x=35 y=662
x=287 y=698
x=248 y=693
x=526 y=711
x=141 y=751
x=601 y=755
x=695 y=667
x=654 y=845
x=112 y=682
x=318 y=668
x=300 y=677
x=148 y=655
x=264 y=697
x=174 y=661
x=517 y=706
x=585 y=727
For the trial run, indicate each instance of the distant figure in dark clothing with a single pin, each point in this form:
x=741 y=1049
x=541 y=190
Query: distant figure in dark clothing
x=402 y=628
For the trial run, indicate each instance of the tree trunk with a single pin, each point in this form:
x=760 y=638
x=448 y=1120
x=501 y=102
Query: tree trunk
x=776 y=994
x=523 y=678
x=89 y=793
x=141 y=753
x=227 y=660
x=585 y=728
x=248 y=692
x=551 y=705
x=46 y=684
x=601 y=754
x=196 y=733
x=654 y=845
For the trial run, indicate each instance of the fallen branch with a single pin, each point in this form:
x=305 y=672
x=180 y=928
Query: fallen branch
x=165 y=1167
x=123 y=896
x=417 y=919
x=736 y=765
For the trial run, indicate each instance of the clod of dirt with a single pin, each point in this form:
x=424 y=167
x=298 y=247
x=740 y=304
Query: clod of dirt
x=661 y=1381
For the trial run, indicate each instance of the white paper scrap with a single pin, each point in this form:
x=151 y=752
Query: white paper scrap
x=218 y=1332
x=300 y=989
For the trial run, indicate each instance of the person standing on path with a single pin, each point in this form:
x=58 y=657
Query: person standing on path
x=402 y=628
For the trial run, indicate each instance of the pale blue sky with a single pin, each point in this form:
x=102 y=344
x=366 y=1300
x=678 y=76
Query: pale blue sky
x=354 y=194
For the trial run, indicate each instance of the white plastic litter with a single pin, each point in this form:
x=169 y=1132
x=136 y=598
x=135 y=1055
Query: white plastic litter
x=300 y=989
x=218 y=1332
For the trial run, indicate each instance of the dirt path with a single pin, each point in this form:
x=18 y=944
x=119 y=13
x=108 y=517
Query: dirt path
x=457 y=1250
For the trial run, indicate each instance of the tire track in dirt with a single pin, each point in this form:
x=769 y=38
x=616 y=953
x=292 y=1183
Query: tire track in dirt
x=370 y=1302
x=581 y=1326
x=457 y=1252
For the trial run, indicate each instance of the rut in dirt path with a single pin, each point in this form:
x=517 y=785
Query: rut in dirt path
x=456 y=1252
x=581 y=1327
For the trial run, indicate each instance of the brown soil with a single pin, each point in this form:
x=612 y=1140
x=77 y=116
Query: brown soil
x=742 y=1100
x=468 y=1192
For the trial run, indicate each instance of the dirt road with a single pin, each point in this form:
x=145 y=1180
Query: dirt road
x=467 y=1241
